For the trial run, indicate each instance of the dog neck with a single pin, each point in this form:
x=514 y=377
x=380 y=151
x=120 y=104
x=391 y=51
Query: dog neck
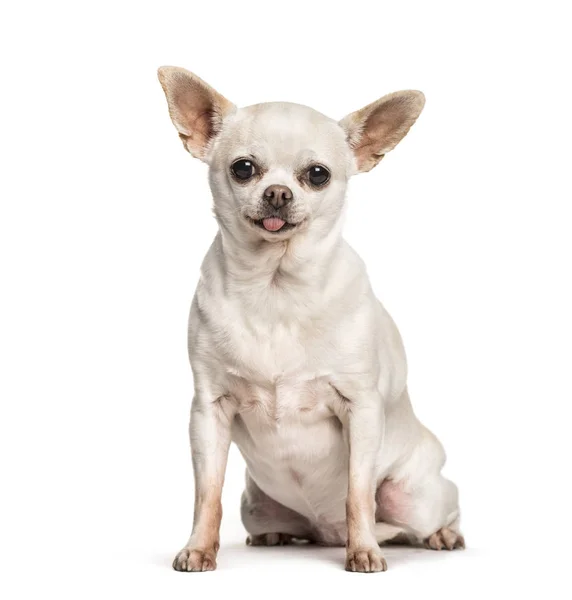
x=303 y=260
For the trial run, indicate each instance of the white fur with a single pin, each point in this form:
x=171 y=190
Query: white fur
x=296 y=360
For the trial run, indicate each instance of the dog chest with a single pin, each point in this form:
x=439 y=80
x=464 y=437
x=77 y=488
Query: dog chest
x=270 y=351
x=301 y=400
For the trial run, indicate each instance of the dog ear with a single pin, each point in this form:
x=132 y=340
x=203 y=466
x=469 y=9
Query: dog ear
x=196 y=109
x=378 y=127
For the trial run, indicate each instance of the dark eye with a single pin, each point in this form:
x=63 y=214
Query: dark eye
x=318 y=175
x=243 y=169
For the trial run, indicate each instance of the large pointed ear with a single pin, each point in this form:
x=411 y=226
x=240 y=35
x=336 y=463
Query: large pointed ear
x=196 y=109
x=378 y=127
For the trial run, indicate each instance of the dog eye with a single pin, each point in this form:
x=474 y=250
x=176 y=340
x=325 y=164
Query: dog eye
x=243 y=169
x=318 y=175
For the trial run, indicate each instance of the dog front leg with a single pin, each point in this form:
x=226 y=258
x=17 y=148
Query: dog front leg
x=363 y=419
x=209 y=430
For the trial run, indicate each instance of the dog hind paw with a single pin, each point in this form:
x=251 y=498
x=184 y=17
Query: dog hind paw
x=269 y=539
x=445 y=539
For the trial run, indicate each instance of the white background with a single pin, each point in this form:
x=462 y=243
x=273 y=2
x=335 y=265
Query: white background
x=104 y=221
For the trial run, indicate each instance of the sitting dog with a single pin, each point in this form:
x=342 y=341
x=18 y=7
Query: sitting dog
x=293 y=357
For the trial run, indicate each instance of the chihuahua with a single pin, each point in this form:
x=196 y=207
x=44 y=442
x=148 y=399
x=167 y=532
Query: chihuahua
x=293 y=357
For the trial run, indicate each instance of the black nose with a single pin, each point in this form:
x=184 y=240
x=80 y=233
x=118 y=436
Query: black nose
x=278 y=195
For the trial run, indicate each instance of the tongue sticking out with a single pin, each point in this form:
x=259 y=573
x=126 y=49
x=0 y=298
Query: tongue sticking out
x=273 y=223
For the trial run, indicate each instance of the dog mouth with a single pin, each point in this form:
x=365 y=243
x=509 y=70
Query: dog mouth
x=273 y=224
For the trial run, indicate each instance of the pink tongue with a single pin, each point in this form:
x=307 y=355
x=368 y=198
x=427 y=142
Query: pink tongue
x=273 y=223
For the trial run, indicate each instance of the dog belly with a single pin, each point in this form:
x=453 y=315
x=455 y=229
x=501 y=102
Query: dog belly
x=303 y=466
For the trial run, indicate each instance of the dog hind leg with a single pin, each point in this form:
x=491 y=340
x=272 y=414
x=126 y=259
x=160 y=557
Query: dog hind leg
x=426 y=511
x=268 y=522
x=386 y=532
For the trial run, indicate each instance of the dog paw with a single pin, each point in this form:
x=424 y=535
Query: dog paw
x=269 y=539
x=445 y=538
x=365 y=560
x=190 y=559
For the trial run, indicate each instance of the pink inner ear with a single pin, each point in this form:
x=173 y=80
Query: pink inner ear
x=381 y=126
x=366 y=152
x=196 y=109
x=201 y=129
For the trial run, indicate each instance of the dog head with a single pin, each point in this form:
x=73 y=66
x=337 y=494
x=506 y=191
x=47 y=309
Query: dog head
x=279 y=168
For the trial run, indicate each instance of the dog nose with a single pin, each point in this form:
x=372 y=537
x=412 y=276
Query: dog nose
x=278 y=195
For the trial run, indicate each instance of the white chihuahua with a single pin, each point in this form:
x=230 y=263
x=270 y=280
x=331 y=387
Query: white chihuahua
x=294 y=359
